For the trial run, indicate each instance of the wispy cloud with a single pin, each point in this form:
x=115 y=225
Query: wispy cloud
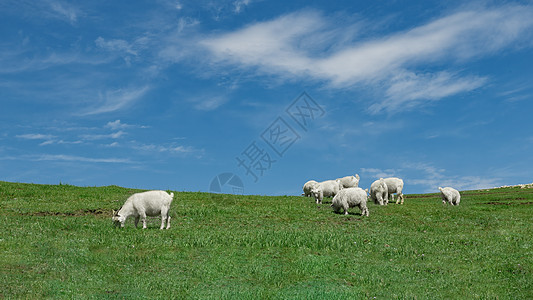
x=64 y=11
x=518 y=93
x=114 y=135
x=114 y=100
x=117 y=124
x=48 y=139
x=271 y=46
x=172 y=149
x=392 y=61
x=432 y=177
x=68 y=158
x=239 y=5
x=73 y=158
x=378 y=173
x=115 y=45
x=36 y=136
x=208 y=103
x=407 y=90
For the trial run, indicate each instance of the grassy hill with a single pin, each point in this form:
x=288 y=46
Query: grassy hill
x=59 y=242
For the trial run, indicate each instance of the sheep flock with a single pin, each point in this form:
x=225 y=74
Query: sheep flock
x=346 y=193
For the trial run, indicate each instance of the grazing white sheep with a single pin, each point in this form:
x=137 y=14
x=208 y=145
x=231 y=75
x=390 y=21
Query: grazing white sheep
x=450 y=195
x=379 y=192
x=351 y=197
x=328 y=188
x=395 y=186
x=349 y=181
x=308 y=186
x=140 y=205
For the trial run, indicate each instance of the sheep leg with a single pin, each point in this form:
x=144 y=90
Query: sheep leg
x=143 y=218
x=164 y=217
x=364 y=210
x=137 y=220
x=400 y=199
x=168 y=222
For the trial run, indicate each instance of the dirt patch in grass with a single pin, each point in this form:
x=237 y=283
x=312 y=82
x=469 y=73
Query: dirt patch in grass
x=421 y=196
x=85 y=212
x=509 y=203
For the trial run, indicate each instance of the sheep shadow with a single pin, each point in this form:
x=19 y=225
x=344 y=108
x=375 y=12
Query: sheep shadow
x=350 y=213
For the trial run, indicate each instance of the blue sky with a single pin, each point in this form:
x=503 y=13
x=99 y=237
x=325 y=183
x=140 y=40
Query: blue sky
x=169 y=94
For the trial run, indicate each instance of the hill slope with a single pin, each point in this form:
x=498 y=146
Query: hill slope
x=58 y=241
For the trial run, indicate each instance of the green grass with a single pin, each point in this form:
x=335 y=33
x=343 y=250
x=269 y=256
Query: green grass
x=59 y=242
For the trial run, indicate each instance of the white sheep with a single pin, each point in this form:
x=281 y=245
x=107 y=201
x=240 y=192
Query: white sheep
x=395 y=185
x=450 y=195
x=328 y=188
x=349 y=181
x=308 y=186
x=140 y=205
x=379 y=192
x=351 y=197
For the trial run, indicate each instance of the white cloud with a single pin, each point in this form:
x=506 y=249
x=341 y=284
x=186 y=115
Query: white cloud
x=407 y=89
x=171 y=149
x=64 y=11
x=271 y=46
x=186 y=22
x=117 y=124
x=48 y=142
x=378 y=173
x=73 y=158
x=68 y=158
x=114 y=135
x=432 y=177
x=35 y=136
x=48 y=139
x=115 y=45
x=239 y=5
x=209 y=103
x=115 y=100
x=387 y=63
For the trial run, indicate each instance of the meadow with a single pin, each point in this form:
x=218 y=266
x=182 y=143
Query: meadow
x=58 y=241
